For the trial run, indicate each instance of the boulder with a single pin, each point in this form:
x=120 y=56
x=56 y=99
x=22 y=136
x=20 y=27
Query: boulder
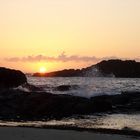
x=11 y=78
x=66 y=87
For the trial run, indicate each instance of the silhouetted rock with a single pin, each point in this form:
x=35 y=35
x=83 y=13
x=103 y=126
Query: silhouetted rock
x=11 y=78
x=63 y=73
x=117 y=68
x=30 y=88
x=120 y=68
x=66 y=87
x=15 y=104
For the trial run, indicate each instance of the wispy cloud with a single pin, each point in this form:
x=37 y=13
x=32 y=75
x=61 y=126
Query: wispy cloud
x=61 y=58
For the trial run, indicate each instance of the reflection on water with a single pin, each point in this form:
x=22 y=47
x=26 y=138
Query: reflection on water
x=115 y=121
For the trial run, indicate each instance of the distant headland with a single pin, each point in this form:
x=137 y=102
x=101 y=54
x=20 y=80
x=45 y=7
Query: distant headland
x=106 y=68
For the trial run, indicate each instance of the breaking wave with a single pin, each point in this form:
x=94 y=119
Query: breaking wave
x=83 y=86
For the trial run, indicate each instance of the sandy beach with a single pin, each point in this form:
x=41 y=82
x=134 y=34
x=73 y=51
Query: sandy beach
x=18 y=133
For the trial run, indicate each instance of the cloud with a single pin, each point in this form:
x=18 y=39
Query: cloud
x=61 y=58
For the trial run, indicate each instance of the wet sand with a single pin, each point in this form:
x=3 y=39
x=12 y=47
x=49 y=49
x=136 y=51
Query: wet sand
x=19 y=133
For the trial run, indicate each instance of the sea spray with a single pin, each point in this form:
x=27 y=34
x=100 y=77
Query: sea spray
x=86 y=86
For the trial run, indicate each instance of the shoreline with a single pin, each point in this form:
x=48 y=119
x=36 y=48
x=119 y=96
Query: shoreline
x=26 y=133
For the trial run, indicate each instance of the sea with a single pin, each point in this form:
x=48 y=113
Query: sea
x=88 y=87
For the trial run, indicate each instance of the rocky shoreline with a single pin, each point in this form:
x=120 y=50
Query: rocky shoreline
x=37 y=104
x=19 y=105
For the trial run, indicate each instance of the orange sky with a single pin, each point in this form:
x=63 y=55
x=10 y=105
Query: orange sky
x=35 y=33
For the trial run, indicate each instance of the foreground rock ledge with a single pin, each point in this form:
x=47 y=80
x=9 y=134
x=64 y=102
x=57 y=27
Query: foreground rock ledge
x=18 y=105
x=11 y=78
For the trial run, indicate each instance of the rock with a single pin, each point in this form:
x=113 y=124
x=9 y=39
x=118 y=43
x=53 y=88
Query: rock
x=11 y=78
x=66 y=87
x=30 y=88
x=54 y=106
x=42 y=105
x=63 y=88
x=15 y=104
x=62 y=73
x=119 y=68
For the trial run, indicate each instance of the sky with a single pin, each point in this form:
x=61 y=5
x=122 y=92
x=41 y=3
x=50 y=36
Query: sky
x=61 y=34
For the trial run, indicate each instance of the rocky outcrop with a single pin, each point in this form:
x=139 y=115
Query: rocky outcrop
x=15 y=104
x=66 y=87
x=11 y=78
x=119 y=68
x=63 y=73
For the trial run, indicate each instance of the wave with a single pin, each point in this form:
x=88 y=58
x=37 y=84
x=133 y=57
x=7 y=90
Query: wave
x=74 y=90
x=29 y=88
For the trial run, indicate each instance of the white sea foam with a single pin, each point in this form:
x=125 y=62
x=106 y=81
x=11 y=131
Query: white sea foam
x=22 y=88
x=86 y=86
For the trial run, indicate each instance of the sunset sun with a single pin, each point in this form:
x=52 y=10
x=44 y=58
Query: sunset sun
x=42 y=70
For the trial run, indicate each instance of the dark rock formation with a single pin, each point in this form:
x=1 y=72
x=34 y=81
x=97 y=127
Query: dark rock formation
x=120 y=68
x=15 y=104
x=11 y=78
x=117 y=68
x=63 y=73
x=32 y=88
x=66 y=87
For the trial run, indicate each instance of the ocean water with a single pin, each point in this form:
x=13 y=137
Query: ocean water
x=87 y=86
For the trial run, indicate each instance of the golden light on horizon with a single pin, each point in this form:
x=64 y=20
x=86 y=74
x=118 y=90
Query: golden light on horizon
x=42 y=69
